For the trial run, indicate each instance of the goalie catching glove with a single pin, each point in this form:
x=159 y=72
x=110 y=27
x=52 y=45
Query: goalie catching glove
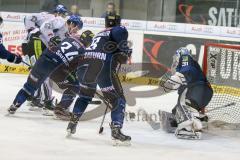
x=174 y=82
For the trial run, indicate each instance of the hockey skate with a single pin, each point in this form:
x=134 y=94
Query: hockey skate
x=12 y=109
x=35 y=105
x=72 y=125
x=185 y=134
x=62 y=113
x=119 y=139
x=48 y=108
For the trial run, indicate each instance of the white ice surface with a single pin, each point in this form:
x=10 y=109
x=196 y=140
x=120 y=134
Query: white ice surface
x=31 y=136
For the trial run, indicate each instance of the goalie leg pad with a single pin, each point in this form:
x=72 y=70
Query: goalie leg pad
x=189 y=127
x=167 y=121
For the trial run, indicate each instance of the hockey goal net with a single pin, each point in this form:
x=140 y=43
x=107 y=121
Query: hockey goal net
x=221 y=64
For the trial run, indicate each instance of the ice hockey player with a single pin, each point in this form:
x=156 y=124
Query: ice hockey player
x=49 y=31
x=33 y=47
x=194 y=92
x=62 y=109
x=5 y=54
x=54 y=30
x=49 y=62
x=107 y=78
x=38 y=24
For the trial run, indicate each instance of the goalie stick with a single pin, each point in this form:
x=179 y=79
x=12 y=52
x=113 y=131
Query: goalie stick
x=154 y=125
x=220 y=107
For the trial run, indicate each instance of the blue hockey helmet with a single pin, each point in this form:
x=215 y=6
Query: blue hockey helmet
x=61 y=9
x=75 y=20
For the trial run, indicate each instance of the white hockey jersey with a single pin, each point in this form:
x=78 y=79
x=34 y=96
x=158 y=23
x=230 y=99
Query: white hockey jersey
x=53 y=27
x=35 y=20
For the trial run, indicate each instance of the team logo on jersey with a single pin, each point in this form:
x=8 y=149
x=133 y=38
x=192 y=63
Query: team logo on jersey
x=184 y=60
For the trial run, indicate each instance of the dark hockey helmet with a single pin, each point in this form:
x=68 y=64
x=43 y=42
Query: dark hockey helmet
x=112 y=20
x=86 y=38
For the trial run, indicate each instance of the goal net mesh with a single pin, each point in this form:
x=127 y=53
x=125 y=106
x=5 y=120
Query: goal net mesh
x=221 y=64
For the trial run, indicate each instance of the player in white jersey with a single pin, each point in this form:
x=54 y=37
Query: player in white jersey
x=33 y=48
x=44 y=30
x=33 y=22
x=54 y=29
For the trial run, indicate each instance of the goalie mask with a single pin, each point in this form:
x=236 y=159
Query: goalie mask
x=180 y=52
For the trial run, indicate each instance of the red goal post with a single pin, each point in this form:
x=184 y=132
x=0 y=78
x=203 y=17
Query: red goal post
x=221 y=65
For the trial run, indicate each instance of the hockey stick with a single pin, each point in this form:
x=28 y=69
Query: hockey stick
x=96 y=102
x=220 y=107
x=107 y=106
x=26 y=63
x=101 y=128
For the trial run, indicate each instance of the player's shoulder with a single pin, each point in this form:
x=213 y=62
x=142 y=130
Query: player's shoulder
x=119 y=29
x=53 y=23
x=73 y=41
x=58 y=22
x=119 y=33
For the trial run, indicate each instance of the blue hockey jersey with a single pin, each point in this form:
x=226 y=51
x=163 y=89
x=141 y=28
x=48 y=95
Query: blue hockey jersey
x=190 y=69
x=4 y=53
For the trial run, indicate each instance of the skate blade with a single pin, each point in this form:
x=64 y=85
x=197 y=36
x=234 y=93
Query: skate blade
x=35 y=109
x=47 y=113
x=60 y=117
x=117 y=143
x=194 y=136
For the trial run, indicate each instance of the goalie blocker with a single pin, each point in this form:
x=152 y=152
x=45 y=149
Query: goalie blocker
x=194 y=95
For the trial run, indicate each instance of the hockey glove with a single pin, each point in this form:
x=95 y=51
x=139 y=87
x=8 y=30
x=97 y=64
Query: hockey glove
x=122 y=57
x=54 y=41
x=12 y=58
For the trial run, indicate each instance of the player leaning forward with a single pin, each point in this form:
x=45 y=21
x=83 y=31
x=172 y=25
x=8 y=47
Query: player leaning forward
x=106 y=78
x=52 y=59
x=194 y=92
